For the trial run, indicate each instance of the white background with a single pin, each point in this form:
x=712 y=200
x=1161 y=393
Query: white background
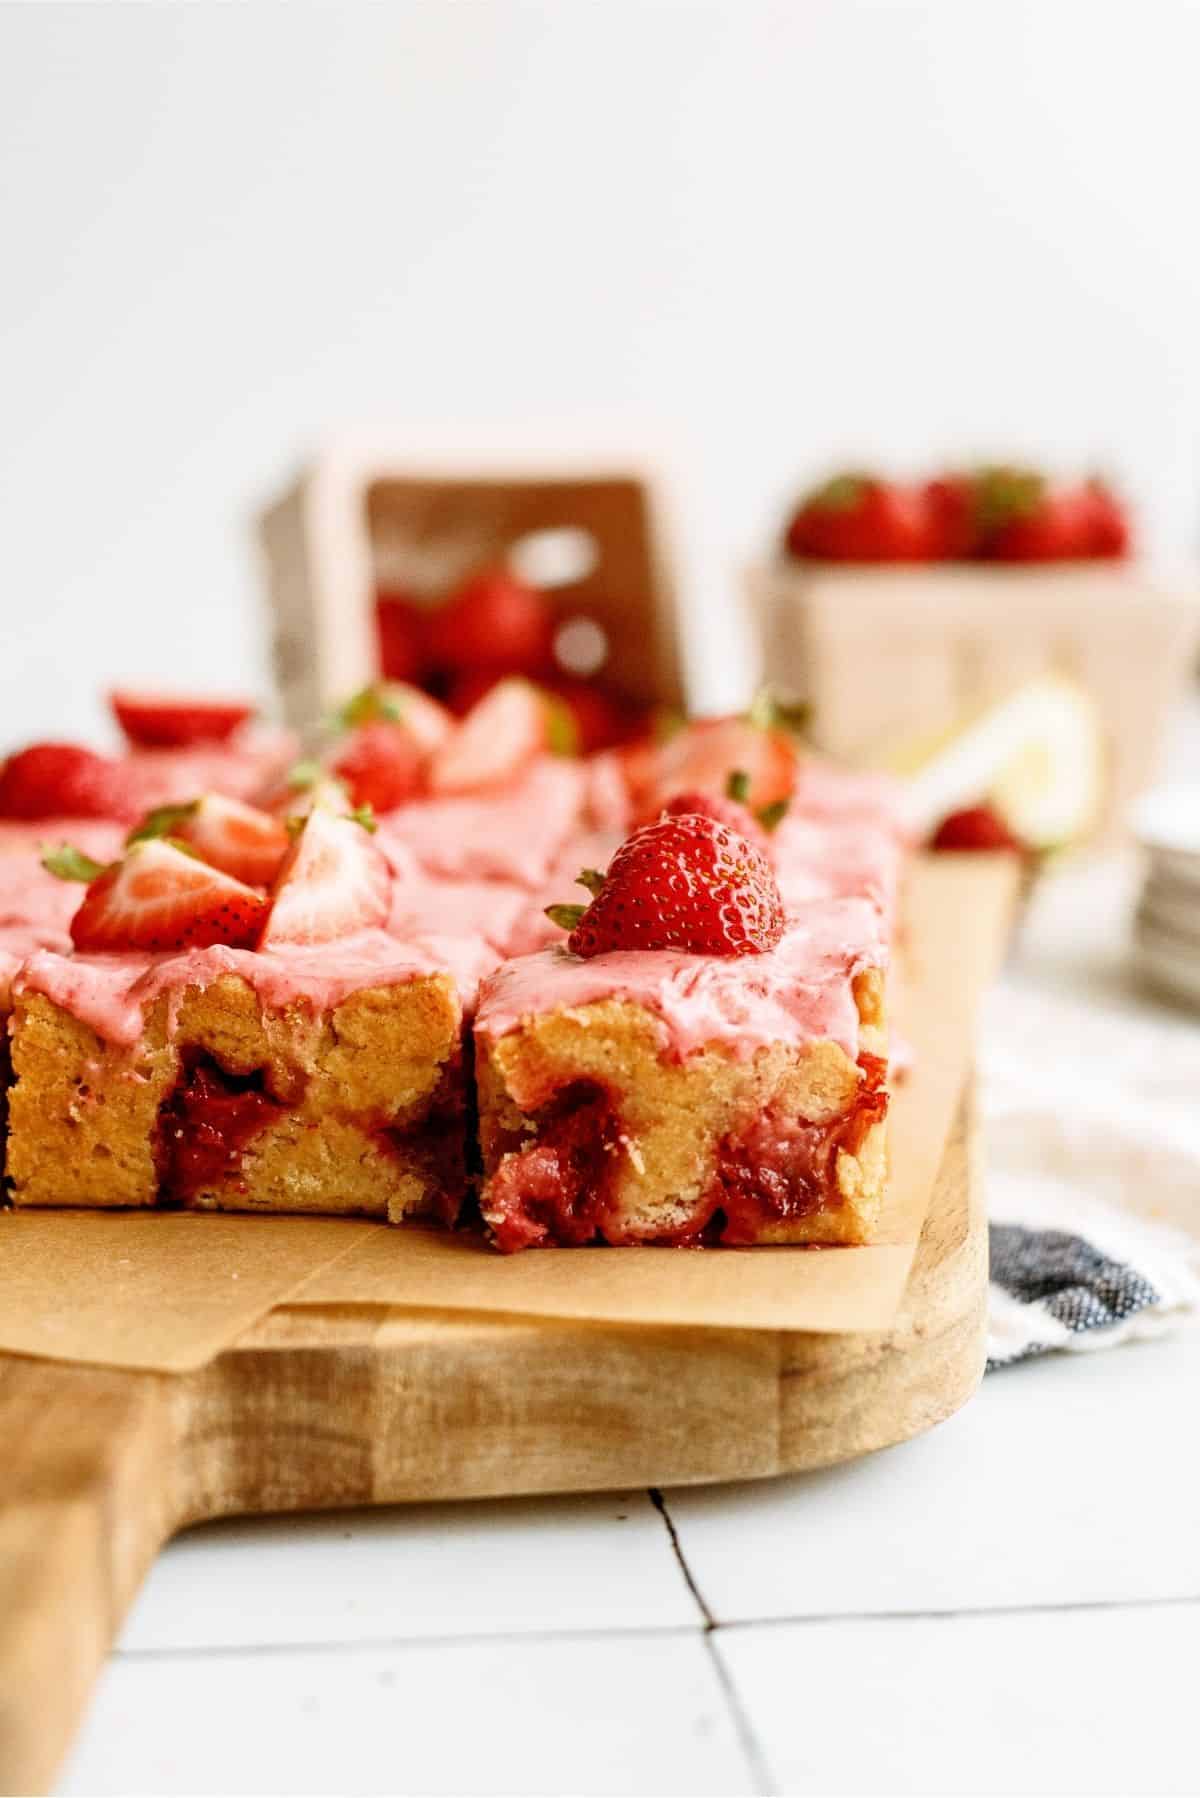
x=751 y=237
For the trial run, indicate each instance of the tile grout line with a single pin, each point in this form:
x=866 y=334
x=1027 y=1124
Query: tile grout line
x=948 y=1613
x=660 y=1505
x=709 y=1626
x=375 y=1644
x=756 y=1760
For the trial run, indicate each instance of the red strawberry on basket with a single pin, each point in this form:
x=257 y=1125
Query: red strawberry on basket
x=228 y=834
x=1024 y=518
x=1108 y=531
x=334 y=881
x=492 y=621
x=859 y=518
x=400 y=624
x=687 y=883
x=952 y=509
x=159 y=897
x=175 y=721
x=63 y=780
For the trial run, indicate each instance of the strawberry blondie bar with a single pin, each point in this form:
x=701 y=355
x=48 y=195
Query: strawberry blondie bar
x=695 y=1065
x=211 y=1045
x=277 y=1006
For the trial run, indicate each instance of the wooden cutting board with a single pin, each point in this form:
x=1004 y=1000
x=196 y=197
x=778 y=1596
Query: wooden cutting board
x=353 y=1405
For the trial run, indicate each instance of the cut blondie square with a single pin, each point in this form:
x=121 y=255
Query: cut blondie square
x=676 y=1098
x=317 y=1080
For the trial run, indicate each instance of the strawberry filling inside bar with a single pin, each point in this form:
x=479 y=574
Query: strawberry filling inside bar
x=290 y=1080
x=680 y=1098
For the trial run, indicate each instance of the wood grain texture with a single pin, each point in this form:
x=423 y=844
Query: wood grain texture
x=342 y=1405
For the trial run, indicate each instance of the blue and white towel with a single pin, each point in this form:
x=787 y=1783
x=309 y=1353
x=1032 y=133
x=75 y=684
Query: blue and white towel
x=1092 y=1118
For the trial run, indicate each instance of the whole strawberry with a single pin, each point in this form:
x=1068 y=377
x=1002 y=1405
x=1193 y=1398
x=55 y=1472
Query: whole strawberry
x=687 y=883
x=859 y=518
x=1108 y=531
x=976 y=829
x=732 y=807
x=723 y=811
x=63 y=780
x=380 y=765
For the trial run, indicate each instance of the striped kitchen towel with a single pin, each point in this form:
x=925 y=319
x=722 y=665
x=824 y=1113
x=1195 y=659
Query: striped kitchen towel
x=1093 y=1145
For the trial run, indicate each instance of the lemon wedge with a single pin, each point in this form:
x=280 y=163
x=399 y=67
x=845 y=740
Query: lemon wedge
x=1037 y=756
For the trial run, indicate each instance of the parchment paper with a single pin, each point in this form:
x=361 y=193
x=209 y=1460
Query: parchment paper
x=168 y=1291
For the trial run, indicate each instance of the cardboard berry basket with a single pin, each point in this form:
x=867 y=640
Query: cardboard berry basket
x=357 y=522
x=888 y=654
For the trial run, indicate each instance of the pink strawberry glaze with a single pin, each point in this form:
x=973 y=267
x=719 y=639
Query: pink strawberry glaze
x=510 y=835
x=606 y=801
x=96 y=837
x=818 y=859
x=112 y=992
x=30 y=894
x=485 y=909
x=239 y=769
x=531 y=928
x=17 y=943
x=848 y=796
x=799 y=992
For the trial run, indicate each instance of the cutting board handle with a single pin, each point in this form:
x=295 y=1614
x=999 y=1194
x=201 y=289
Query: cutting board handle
x=85 y=1503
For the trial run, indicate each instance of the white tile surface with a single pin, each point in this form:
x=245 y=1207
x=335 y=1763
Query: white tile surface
x=616 y=1714
x=1065 y=1481
x=1074 y=1702
x=520 y=1565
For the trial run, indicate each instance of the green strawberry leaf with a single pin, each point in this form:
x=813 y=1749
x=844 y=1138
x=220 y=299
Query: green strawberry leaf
x=591 y=878
x=69 y=863
x=304 y=775
x=737 y=787
x=771 y=816
x=373 y=703
x=161 y=822
x=565 y=916
x=841 y=494
x=562 y=732
x=769 y=712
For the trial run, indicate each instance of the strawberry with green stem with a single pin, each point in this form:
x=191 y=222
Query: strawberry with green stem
x=237 y=838
x=856 y=517
x=686 y=883
x=158 y=897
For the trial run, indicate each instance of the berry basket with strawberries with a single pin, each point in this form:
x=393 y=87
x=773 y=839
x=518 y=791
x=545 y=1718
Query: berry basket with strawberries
x=454 y=585
x=900 y=610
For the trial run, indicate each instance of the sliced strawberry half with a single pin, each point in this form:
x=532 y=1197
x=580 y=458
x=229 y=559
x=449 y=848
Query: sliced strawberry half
x=426 y=723
x=334 y=881
x=497 y=738
x=159 y=897
x=226 y=833
x=175 y=721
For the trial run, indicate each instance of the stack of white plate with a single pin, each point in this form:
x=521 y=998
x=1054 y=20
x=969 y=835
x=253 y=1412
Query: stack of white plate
x=1166 y=926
